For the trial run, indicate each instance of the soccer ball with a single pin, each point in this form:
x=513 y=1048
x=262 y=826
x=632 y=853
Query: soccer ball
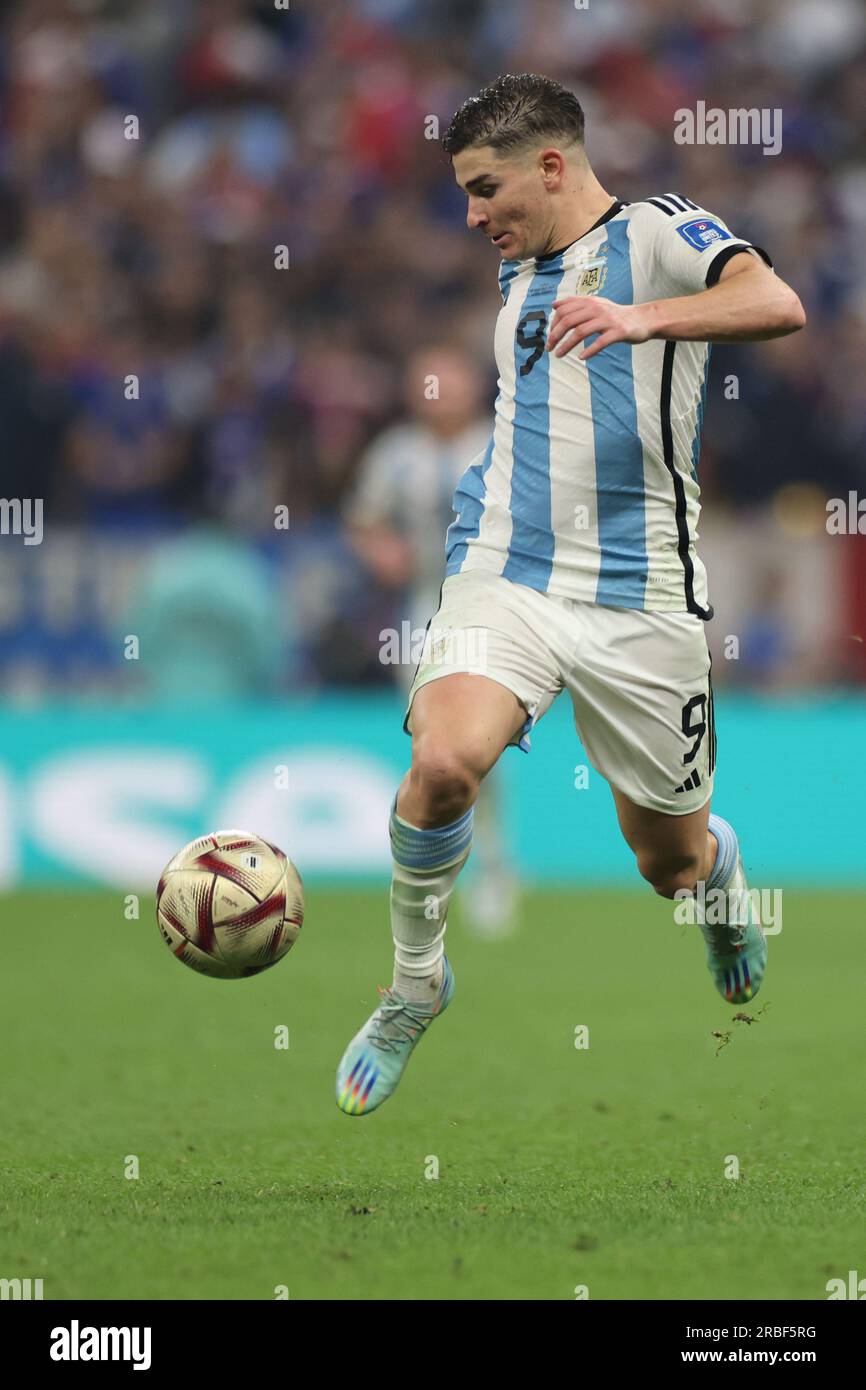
x=230 y=905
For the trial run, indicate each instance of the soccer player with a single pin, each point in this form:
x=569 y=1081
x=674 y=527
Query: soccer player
x=572 y=563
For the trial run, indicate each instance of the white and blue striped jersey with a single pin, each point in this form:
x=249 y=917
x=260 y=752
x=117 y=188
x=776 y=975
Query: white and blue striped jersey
x=588 y=487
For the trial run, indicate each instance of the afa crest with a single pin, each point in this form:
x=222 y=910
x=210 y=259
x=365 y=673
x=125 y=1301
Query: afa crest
x=591 y=277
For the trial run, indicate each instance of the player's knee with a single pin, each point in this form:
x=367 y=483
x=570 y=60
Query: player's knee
x=444 y=780
x=669 y=874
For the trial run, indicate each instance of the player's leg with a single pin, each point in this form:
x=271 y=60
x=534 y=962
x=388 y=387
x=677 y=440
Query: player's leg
x=699 y=854
x=672 y=852
x=469 y=700
x=490 y=891
x=644 y=710
x=461 y=724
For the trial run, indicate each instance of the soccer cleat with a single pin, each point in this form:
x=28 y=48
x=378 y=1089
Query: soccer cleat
x=376 y=1058
x=737 y=949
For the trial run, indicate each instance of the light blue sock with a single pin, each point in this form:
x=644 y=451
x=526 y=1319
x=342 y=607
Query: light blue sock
x=426 y=865
x=726 y=858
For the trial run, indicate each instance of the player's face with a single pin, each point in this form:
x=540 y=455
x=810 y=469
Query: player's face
x=507 y=200
x=460 y=392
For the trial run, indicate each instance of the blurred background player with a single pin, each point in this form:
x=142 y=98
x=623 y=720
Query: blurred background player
x=397 y=515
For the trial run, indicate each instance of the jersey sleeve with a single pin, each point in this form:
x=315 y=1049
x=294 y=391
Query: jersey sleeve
x=689 y=247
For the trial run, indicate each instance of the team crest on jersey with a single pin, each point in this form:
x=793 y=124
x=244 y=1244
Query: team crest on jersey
x=702 y=233
x=439 y=645
x=591 y=277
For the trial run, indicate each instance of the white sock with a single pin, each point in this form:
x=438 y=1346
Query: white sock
x=726 y=857
x=426 y=865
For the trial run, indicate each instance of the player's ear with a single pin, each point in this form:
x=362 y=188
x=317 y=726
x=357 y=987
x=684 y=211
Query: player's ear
x=552 y=166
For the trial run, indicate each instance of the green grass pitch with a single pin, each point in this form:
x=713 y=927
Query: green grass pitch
x=558 y=1167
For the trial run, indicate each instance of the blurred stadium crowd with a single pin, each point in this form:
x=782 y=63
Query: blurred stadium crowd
x=147 y=250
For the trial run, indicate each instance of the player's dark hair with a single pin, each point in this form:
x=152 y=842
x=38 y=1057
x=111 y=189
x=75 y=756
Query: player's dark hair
x=516 y=110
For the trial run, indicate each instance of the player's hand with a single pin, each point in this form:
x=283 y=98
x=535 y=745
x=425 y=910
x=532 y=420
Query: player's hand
x=578 y=316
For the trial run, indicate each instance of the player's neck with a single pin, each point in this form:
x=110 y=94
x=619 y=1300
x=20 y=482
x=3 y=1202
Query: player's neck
x=447 y=430
x=585 y=210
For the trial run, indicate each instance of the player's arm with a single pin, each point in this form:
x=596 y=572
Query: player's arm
x=384 y=551
x=748 y=304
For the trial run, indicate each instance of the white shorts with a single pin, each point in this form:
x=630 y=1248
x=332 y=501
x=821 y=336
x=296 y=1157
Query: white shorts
x=639 y=682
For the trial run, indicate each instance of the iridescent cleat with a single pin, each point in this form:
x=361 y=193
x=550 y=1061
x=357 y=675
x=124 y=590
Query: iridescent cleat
x=737 y=948
x=376 y=1057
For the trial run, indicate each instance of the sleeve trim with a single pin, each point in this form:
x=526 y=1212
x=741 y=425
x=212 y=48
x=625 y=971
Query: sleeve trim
x=719 y=262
